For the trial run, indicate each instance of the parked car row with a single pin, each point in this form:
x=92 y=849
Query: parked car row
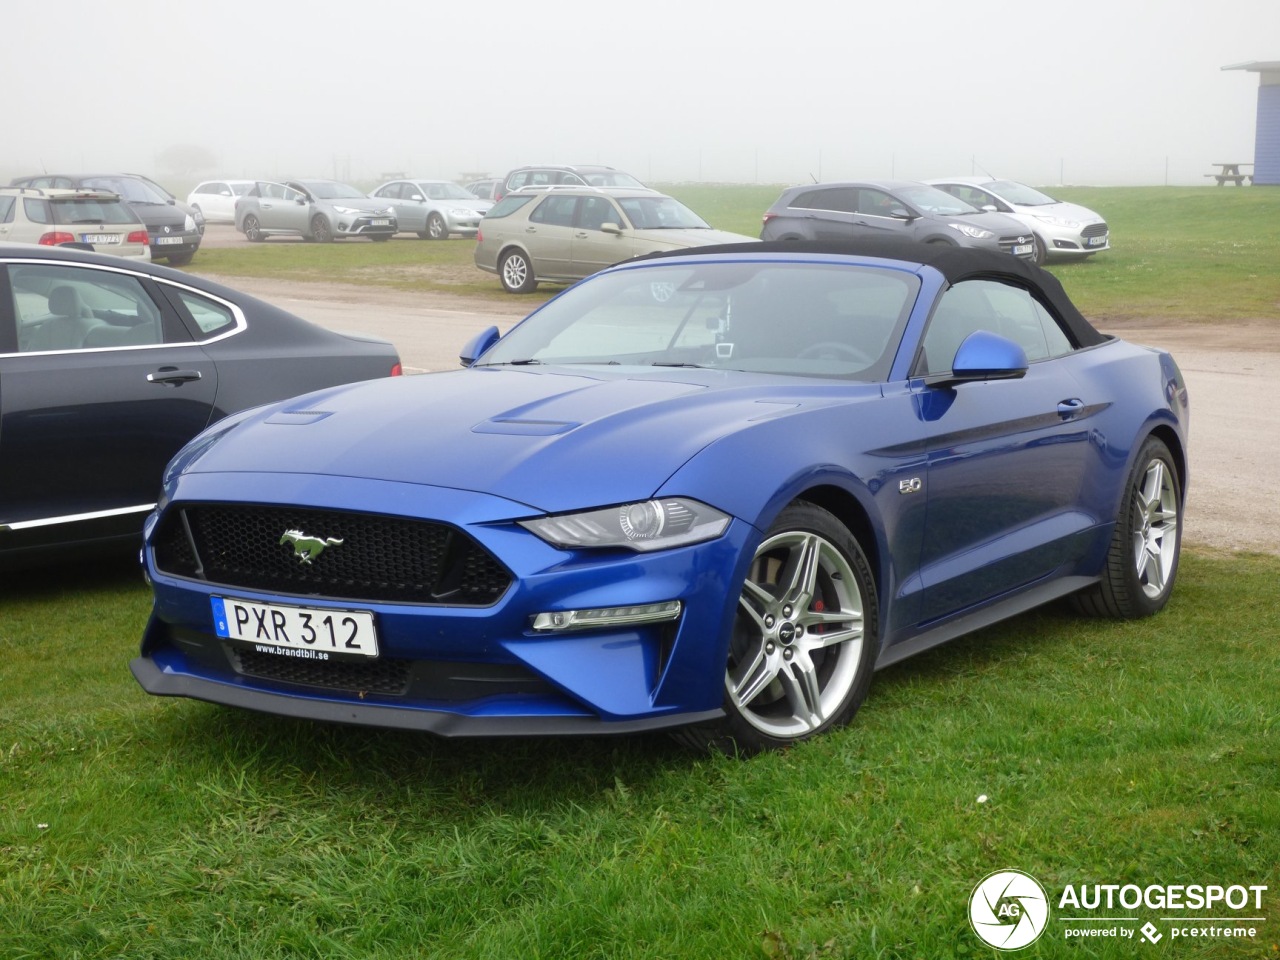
x=173 y=229
x=559 y=224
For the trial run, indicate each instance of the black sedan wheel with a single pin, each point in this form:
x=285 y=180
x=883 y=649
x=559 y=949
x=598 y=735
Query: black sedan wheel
x=253 y=229
x=805 y=639
x=436 y=228
x=516 y=273
x=321 y=232
x=1143 y=559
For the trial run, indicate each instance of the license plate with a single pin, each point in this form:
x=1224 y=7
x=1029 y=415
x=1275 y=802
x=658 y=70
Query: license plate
x=100 y=237
x=1096 y=241
x=381 y=223
x=168 y=240
x=275 y=628
x=1022 y=248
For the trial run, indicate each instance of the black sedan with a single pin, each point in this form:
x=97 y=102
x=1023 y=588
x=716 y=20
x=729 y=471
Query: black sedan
x=107 y=369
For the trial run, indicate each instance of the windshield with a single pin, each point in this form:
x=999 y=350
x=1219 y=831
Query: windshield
x=790 y=318
x=444 y=191
x=332 y=190
x=131 y=190
x=1018 y=193
x=660 y=213
x=932 y=200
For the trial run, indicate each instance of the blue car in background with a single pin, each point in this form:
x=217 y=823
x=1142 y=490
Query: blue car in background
x=709 y=492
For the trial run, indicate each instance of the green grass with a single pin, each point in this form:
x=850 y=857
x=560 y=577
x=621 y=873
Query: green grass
x=1109 y=752
x=1186 y=253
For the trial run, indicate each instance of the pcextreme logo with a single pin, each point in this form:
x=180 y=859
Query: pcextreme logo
x=1009 y=910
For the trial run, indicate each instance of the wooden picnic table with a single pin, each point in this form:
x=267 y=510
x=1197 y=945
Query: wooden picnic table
x=1230 y=173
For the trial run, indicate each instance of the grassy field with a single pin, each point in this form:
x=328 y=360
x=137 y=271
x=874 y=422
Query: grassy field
x=135 y=828
x=1195 y=253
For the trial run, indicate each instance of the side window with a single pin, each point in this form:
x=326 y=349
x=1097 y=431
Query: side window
x=595 y=212
x=210 y=316
x=842 y=199
x=518 y=180
x=79 y=308
x=998 y=308
x=205 y=188
x=37 y=211
x=876 y=203
x=6 y=209
x=555 y=211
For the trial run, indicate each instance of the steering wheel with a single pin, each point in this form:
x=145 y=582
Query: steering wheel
x=836 y=350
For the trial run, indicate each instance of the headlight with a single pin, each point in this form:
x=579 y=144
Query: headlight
x=189 y=223
x=346 y=211
x=969 y=230
x=651 y=525
x=1059 y=221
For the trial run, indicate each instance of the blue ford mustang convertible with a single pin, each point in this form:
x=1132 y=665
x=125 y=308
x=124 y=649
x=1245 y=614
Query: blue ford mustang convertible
x=709 y=492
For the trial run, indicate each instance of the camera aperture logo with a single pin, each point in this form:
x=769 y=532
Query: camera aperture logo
x=1008 y=909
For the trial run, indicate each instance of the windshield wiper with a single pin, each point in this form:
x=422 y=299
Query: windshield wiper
x=675 y=363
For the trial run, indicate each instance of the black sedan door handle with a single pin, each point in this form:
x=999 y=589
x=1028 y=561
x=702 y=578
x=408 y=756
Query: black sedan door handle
x=1069 y=408
x=173 y=376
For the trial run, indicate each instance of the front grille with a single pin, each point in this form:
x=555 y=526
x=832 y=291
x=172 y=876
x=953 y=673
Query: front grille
x=379 y=559
x=387 y=677
x=1008 y=243
x=1094 y=230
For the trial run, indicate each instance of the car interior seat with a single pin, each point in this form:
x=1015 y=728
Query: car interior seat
x=69 y=321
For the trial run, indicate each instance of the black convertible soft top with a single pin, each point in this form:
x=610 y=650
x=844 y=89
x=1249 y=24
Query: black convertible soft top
x=954 y=263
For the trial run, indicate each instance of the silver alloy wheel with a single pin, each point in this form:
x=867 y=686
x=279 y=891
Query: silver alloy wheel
x=252 y=230
x=1155 y=528
x=515 y=271
x=798 y=636
x=436 y=228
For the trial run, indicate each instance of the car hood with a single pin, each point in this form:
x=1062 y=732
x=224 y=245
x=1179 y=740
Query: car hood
x=1000 y=224
x=554 y=440
x=679 y=239
x=1063 y=211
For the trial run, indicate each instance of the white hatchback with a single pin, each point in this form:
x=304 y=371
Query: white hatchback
x=1063 y=231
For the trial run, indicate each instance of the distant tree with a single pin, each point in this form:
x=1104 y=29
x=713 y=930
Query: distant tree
x=185 y=159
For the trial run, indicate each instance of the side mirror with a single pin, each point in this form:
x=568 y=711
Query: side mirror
x=984 y=356
x=477 y=345
x=611 y=228
x=416 y=196
x=989 y=208
x=901 y=213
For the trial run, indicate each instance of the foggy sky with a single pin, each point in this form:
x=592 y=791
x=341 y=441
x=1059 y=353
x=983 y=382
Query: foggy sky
x=1085 y=92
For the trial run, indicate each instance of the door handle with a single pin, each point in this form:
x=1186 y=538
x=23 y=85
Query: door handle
x=172 y=376
x=1070 y=408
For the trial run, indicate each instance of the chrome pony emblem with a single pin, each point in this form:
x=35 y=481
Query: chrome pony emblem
x=306 y=547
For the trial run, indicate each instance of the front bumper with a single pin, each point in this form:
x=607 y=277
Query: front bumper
x=174 y=244
x=470 y=671
x=368 y=225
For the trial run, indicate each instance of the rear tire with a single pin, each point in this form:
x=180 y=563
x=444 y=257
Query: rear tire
x=805 y=638
x=253 y=229
x=516 y=273
x=1142 y=561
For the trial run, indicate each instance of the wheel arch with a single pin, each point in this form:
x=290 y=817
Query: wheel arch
x=851 y=512
x=1169 y=436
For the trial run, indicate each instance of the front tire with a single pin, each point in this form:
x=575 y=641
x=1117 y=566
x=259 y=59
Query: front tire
x=436 y=228
x=805 y=638
x=321 y=232
x=1142 y=561
x=1042 y=252
x=516 y=273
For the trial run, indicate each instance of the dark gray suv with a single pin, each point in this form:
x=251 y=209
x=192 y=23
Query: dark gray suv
x=902 y=208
